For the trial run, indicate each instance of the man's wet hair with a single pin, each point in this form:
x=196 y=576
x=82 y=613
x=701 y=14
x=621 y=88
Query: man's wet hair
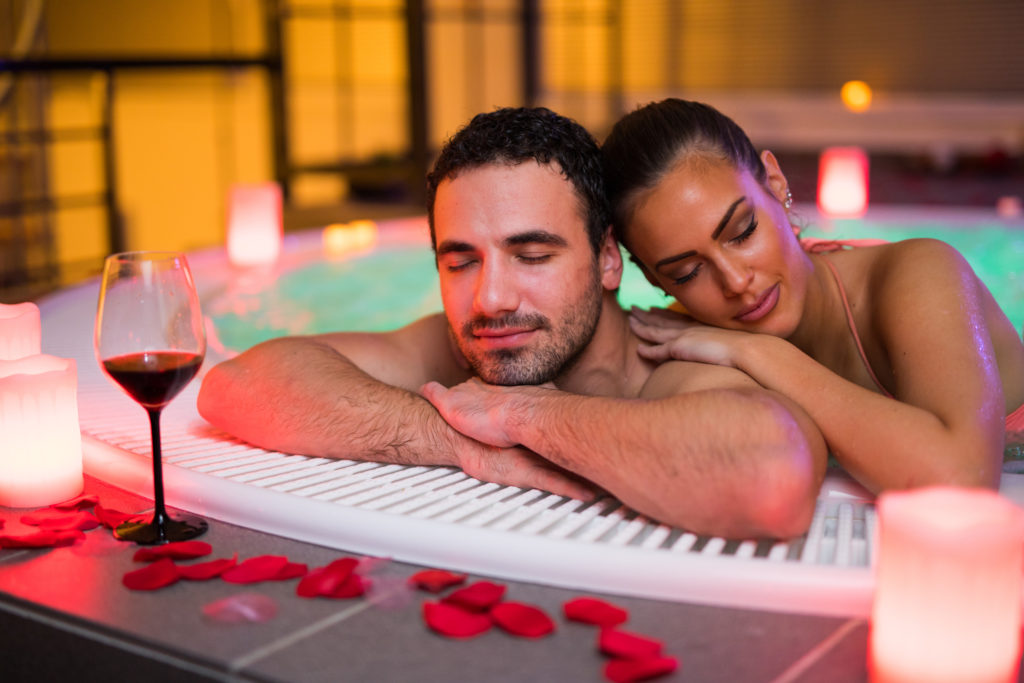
x=514 y=135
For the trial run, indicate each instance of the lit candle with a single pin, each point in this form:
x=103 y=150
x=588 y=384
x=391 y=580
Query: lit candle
x=41 y=446
x=254 y=224
x=947 y=603
x=843 y=182
x=20 y=330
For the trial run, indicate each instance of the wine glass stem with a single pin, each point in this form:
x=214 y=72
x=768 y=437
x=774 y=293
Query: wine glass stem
x=159 y=512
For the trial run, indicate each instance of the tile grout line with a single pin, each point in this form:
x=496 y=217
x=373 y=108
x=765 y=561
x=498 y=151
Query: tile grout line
x=238 y=664
x=811 y=657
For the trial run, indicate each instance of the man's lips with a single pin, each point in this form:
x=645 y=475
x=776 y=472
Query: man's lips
x=504 y=337
x=761 y=307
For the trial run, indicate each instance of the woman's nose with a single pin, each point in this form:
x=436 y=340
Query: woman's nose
x=735 y=275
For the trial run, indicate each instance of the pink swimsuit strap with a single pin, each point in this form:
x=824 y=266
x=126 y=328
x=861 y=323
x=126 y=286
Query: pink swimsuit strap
x=853 y=326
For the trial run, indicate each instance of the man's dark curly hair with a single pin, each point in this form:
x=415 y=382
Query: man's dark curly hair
x=514 y=135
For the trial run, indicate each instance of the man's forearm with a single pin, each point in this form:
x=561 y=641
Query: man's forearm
x=301 y=396
x=728 y=461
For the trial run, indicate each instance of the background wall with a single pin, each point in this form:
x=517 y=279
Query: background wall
x=156 y=108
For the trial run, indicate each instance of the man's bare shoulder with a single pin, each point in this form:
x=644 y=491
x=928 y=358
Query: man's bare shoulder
x=408 y=357
x=681 y=377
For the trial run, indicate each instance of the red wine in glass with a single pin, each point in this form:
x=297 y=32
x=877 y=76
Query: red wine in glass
x=150 y=341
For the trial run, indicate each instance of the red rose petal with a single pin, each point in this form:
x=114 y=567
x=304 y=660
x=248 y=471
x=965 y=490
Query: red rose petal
x=355 y=586
x=203 y=571
x=454 y=622
x=78 y=503
x=44 y=538
x=244 y=607
x=51 y=518
x=264 y=568
x=594 y=611
x=324 y=581
x=115 y=518
x=291 y=570
x=436 y=580
x=627 y=645
x=153 y=576
x=628 y=670
x=479 y=596
x=181 y=550
x=522 y=620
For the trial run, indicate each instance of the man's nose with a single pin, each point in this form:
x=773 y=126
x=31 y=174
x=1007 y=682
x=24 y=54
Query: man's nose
x=496 y=291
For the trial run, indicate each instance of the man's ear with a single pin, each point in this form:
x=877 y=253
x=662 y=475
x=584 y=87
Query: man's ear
x=610 y=261
x=776 y=180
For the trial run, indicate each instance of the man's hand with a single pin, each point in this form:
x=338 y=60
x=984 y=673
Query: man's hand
x=479 y=410
x=522 y=468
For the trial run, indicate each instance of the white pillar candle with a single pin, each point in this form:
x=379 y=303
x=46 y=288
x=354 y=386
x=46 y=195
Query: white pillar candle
x=843 y=182
x=20 y=330
x=40 y=438
x=947 y=603
x=254 y=224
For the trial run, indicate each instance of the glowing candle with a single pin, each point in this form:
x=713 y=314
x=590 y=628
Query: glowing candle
x=20 y=331
x=344 y=239
x=254 y=224
x=947 y=601
x=41 y=448
x=843 y=182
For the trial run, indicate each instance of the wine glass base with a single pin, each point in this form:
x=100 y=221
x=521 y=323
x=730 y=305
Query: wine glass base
x=148 y=533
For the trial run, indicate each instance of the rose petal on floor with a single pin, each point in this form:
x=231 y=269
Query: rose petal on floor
x=115 y=518
x=324 y=581
x=628 y=670
x=436 y=580
x=203 y=571
x=594 y=611
x=255 y=569
x=453 y=621
x=180 y=550
x=43 y=538
x=51 y=518
x=479 y=596
x=627 y=645
x=78 y=503
x=241 y=608
x=153 y=576
x=292 y=570
x=520 y=619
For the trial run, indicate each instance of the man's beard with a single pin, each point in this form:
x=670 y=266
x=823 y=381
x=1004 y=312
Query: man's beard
x=533 y=364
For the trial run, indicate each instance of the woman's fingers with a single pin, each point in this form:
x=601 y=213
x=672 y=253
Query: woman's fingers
x=654 y=333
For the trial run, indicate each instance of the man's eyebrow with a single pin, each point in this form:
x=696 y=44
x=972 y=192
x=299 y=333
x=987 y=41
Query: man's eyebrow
x=714 y=235
x=452 y=246
x=535 y=237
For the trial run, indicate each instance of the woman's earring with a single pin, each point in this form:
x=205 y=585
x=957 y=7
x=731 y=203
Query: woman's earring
x=788 y=201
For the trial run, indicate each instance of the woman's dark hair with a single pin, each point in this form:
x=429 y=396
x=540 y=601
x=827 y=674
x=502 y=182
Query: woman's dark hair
x=650 y=141
x=514 y=135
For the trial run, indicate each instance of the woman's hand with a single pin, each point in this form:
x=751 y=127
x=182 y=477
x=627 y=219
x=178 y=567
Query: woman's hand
x=675 y=336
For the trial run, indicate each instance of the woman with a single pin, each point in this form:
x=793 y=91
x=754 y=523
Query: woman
x=898 y=351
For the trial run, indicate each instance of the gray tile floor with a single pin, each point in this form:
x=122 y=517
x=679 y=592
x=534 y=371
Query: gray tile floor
x=65 y=615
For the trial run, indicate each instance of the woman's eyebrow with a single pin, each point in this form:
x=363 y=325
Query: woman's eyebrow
x=727 y=217
x=714 y=235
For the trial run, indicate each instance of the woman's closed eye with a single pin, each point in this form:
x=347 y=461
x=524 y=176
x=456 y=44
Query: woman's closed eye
x=745 y=235
x=686 y=277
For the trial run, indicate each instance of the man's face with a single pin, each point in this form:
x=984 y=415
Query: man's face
x=520 y=283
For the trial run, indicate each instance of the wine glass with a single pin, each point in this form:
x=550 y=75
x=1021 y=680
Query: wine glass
x=149 y=340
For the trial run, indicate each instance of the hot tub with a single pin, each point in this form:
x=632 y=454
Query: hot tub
x=439 y=516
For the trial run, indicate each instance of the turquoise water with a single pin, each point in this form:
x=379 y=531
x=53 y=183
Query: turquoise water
x=392 y=286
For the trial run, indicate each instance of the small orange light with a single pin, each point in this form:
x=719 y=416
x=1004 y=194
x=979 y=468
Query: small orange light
x=345 y=238
x=856 y=95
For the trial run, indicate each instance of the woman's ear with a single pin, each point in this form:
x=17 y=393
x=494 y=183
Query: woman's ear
x=610 y=258
x=775 y=180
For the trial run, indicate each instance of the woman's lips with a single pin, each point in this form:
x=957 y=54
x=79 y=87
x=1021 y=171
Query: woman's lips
x=763 y=307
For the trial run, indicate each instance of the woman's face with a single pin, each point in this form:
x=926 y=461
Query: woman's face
x=720 y=243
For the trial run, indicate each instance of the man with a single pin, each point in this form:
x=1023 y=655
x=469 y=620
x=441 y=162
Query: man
x=528 y=273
